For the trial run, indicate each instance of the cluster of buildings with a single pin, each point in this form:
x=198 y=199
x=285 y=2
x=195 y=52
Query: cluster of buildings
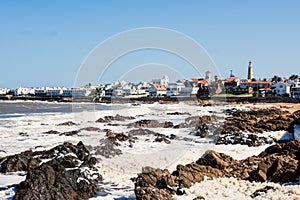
x=273 y=87
x=155 y=88
x=47 y=92
x=200 y=87
x=204 y=87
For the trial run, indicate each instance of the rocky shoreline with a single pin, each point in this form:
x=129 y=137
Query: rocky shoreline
x=64 y=172
x=69 y=171
x=278 y=163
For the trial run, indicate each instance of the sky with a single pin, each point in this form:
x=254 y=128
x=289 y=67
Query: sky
x=46 y=43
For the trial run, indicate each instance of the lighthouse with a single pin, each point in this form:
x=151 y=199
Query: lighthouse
x=250 y=71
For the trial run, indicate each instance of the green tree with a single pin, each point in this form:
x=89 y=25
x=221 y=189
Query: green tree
x=276 y=79
x=294 y=77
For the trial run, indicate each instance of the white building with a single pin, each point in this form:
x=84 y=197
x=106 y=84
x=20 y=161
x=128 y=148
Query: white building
x=157 y=90
x=174 y=89
x=20 y=91
x=118 y=92
x=189 y=91
x=75 y=92
x=281 y=88
x=54 y=92
x=163 y=81
x=295 y=89
x=4 y=91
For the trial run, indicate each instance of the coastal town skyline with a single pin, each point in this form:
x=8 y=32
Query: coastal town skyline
x=45 y=43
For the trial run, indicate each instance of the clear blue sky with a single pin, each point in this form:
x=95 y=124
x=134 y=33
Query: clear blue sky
x=43 y=43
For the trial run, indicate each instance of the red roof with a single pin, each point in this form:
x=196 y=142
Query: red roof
x=159 y=87
x=202 y=81
x=256 y=82
x=231 y=79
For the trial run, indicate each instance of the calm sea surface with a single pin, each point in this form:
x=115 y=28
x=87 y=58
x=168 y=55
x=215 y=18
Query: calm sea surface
x=21 y=108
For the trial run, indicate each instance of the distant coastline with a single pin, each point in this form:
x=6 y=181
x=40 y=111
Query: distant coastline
x=157 y=99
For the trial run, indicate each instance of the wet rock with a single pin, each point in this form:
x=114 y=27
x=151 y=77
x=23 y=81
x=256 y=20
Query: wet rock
x=251 y=140
x=23 y=134
x=53 y=132
x=162 y=139
x=179 y=113
x=68 y=123
x=107 y=149
x=292 y=125
x=114 y=137
x=63 y=172
x=201 y=130
x=107 y=119
x=261 y=191
x=70 y=133
x=258 y=120
x=199 y=198
x=168 y=125
x=19 y=162
x=141 y=131
x=278 y=163
x=158 y=184
x=147 y=123
x=90 y=129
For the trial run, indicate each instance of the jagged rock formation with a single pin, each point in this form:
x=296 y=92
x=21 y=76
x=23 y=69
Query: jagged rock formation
x=258 y=120
x=278 y=163
x=63 y=172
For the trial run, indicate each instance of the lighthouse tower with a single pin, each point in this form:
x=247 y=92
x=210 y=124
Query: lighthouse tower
x=250 y=71
x=207 y=75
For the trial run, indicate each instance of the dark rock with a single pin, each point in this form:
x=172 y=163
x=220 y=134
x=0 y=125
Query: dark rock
x=68 y=123
x=140 y=131
x=70 y=133
x=107 y=119
x=199 y=198
x=52 y=132
x=90 y=129
x=23 y=134
x=19 y=162
x=107 y=149
x=147 y=123
x=68 y=174
x=179 y=113
x=259 y=120
x=278 y=163
x=244 y=139
x=162 y=139
x=261 y=191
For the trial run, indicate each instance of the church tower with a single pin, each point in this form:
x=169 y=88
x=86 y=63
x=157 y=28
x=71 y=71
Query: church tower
x=250 y=71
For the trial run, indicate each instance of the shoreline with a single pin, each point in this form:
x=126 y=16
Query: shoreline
x=237 y=100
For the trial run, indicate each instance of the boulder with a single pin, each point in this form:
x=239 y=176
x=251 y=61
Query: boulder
x=64 y=172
